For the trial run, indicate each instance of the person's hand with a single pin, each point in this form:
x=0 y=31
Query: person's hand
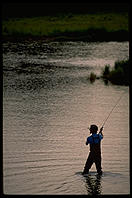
x=101 y=129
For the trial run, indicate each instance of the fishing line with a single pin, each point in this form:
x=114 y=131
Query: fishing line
x=112 y=110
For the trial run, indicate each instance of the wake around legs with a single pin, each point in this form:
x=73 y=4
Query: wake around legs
x=95 y=150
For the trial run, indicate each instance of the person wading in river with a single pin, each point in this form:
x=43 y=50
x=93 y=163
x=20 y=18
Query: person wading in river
x=95 y=150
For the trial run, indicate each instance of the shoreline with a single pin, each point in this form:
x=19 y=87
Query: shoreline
x=118 y=36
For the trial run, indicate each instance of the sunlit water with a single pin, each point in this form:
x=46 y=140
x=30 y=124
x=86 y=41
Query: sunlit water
x=48 y=103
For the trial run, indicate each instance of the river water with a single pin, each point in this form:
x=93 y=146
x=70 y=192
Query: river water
x=48 y=103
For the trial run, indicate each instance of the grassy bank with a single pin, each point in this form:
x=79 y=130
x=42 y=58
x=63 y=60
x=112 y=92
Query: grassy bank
x=119 y=74
x=89 y=27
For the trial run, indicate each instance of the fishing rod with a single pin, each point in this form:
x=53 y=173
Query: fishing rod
x=111 y=111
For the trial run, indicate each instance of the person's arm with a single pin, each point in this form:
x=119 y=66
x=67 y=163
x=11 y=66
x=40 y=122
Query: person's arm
x=87 y=142
x=101 y=129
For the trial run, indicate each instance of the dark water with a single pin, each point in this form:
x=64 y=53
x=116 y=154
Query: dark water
x=48 y=103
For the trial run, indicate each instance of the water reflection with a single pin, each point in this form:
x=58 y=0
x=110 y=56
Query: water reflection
x=93 y=184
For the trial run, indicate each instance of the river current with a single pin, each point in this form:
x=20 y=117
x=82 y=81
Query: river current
x=48 y=104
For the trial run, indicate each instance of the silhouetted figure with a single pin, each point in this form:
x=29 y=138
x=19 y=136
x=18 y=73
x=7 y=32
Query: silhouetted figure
x=95 y=150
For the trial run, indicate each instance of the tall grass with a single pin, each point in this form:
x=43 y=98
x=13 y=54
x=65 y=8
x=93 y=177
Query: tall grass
x=120 y=74
x=65 y=24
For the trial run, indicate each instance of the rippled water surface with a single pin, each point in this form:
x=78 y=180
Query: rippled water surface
x=48 y=103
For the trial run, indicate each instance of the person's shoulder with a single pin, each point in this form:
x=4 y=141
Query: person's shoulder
x=89 y=137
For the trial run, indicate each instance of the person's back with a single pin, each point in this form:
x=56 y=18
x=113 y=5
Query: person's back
x=95 y=149
x=94 y=141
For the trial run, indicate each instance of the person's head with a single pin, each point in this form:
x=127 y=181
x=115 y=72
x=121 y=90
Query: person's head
x=93 y=128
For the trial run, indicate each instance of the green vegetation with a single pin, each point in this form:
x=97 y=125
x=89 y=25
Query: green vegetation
x=89 y=27
x=92 y=77
x=119 y=74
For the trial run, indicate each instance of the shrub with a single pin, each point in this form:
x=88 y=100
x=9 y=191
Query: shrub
x=92 y=77
x=116 y=76
x=106 y=71
x=119 y=74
